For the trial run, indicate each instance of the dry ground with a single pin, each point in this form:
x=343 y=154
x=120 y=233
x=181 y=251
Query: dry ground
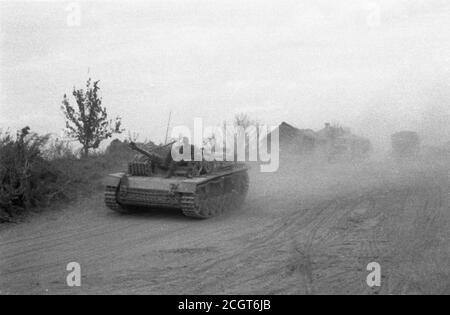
x=302 y=230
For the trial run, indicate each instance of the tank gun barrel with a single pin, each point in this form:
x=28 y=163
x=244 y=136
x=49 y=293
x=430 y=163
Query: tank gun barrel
x=152 y=156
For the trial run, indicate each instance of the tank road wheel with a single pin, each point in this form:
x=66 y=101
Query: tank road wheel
x=206 y=203
x=111 y=200
x=214 y=198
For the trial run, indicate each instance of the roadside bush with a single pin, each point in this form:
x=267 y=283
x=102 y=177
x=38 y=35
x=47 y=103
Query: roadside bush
x=22 y=169
x=37 y=170
x=58 y=149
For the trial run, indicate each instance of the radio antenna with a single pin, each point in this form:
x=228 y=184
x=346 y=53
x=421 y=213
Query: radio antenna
x=168 y=125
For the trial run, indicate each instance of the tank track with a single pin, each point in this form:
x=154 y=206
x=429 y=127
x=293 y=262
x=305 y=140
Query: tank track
x=211 y=199
x=111 y=201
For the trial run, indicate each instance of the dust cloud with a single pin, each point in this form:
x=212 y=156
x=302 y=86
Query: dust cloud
x=303 y=177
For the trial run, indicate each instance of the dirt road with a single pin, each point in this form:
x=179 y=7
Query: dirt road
x=306 y=232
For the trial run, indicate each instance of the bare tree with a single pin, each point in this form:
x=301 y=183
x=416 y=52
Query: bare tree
x=87 y=122
x=244 y=120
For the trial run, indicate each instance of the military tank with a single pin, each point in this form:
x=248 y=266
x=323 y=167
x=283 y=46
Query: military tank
x=200 y=189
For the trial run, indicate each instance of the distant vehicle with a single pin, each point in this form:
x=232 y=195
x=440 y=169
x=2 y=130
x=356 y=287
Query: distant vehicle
x=200 y=189
x=342 y=145
x=405 y=144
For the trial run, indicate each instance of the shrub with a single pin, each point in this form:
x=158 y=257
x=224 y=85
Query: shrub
x=22 y=169
x=58 y=149
x=36 y=170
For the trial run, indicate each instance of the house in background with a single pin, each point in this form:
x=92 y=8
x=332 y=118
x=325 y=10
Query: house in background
x=331 y=142
x=294 y=140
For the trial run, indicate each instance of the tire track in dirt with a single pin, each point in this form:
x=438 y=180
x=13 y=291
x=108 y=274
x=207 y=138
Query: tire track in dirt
x=314 y=247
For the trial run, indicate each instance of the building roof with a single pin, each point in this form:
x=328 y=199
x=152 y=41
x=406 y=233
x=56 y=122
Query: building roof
x=287 y=131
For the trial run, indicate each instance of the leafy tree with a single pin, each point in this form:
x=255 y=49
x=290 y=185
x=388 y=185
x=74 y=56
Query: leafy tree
x=87 y=122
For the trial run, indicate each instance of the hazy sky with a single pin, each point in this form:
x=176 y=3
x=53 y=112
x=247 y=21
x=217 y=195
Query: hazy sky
x=375 y=66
